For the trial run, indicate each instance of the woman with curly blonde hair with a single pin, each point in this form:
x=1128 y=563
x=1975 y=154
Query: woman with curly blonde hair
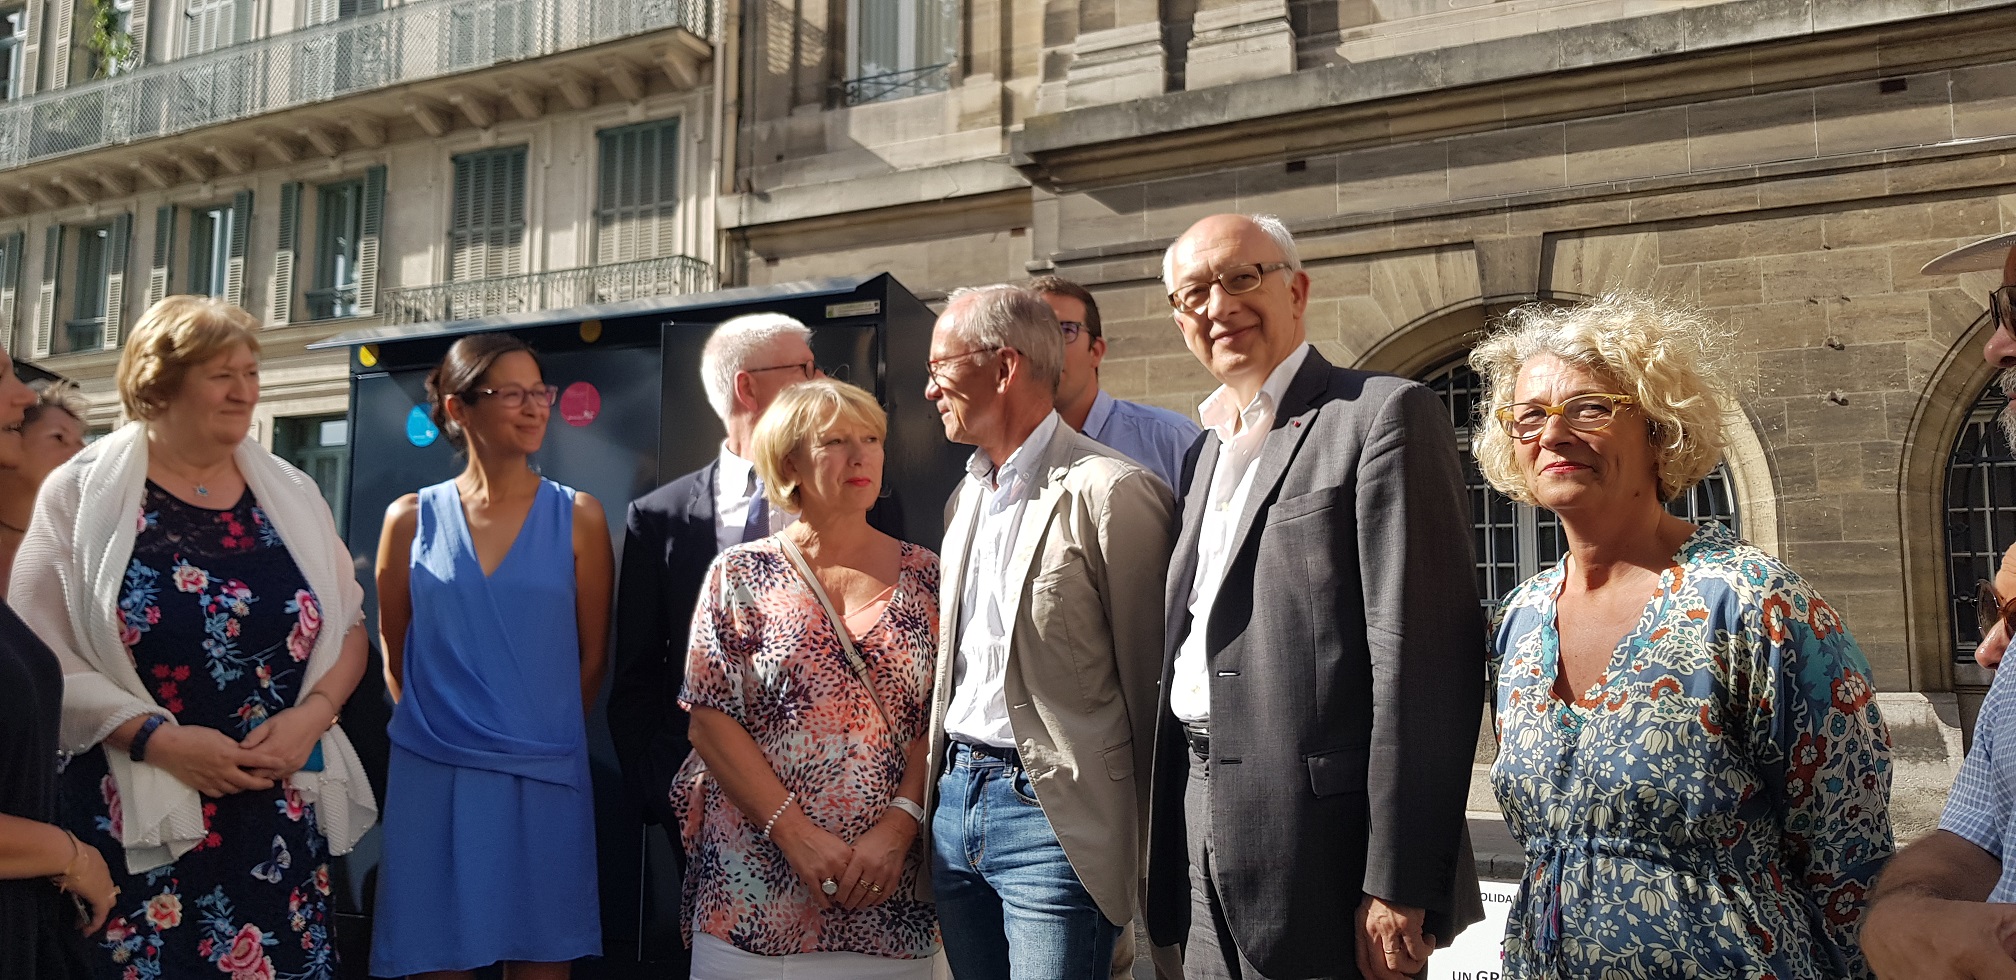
x=1689 y=750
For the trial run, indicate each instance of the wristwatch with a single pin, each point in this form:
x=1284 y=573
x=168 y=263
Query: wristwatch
x=137 y=751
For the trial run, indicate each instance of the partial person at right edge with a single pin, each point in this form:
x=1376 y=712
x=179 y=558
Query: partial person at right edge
x=1945 y=908
x=1324 y=672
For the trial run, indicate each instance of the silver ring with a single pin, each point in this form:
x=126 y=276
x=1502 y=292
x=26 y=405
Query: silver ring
x=830 y=887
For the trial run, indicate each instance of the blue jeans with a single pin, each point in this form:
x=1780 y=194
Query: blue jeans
x=1009 y=904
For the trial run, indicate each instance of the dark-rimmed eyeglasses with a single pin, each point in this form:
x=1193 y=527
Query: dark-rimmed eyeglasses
x=804 y=367
x=1193 y=297
x=2002 y=309
x=513 y=396
x=1592 y=412
x=1072 y=330
x=933 y=371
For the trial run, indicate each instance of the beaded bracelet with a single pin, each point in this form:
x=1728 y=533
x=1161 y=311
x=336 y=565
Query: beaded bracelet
x=772 y=822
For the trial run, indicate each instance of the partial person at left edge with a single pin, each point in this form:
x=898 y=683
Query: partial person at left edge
x=52 y=431
x=210 y=629
x=44 y=869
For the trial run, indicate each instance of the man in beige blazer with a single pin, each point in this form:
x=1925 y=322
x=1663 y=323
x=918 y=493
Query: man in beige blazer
x=1050 y=643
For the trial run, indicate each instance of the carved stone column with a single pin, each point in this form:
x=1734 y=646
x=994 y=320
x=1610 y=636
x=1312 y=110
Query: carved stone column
x=1239 y=41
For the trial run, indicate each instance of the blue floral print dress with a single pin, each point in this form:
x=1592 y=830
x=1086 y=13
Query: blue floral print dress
x=1717 y=804
x=220 y=623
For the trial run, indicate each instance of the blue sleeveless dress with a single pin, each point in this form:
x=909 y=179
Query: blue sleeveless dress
x=489 y=837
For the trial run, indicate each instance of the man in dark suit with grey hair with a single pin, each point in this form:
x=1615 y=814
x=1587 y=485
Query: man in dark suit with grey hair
x=1314 y=746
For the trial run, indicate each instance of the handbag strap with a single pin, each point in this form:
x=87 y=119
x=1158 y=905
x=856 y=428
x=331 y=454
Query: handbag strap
x=854 y=658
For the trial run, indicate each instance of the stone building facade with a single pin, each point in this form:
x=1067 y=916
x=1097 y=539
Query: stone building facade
x=337 y=164
x=1787 y=164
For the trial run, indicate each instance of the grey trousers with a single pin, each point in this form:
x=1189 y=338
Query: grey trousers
x=1212 y=953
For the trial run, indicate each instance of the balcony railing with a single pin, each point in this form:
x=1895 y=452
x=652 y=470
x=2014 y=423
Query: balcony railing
x=895 y=84
x=670 y=276
x=410 y=42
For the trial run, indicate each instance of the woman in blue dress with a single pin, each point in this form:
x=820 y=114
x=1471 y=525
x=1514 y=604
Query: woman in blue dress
x=493 y=608
x=1690 y=752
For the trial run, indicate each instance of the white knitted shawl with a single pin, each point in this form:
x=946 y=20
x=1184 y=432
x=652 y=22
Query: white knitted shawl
x=66 y=586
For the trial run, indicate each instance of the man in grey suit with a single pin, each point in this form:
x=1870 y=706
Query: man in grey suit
x=1325 y=656
x=1050 y=636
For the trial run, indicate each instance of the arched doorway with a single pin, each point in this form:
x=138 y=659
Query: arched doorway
x=1514 y=541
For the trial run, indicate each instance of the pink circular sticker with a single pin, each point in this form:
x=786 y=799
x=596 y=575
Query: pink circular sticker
x=580 y=403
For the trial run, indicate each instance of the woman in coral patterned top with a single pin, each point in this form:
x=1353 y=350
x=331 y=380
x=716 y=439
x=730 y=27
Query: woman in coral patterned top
x=798 y=806
x=1688 y=748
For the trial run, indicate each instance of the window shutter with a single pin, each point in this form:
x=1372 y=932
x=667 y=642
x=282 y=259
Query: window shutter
x=164 y=255
x=512 y=234
x=234 y=264
x=465 y=248
x=638 y=202
x=611 y=233
x=323 y=11
x=10 y=285
x=282 y=300
x=136 y=26
x=367 y=241
x=31 y=46
x=116 y=249
x=64 y=15
x=45 y=309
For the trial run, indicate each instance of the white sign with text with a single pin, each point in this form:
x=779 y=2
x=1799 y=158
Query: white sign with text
x=1478 y=954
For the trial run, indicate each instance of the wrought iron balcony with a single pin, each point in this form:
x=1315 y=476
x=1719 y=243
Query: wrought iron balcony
x=411 y=42
x=896 y=84
x=669 y=276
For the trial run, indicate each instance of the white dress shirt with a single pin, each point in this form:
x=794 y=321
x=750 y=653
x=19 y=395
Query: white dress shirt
x=1241 y=433
x=734 y=490
x=978 y=713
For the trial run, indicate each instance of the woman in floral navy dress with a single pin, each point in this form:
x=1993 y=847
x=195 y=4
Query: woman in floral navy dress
x=236 y=666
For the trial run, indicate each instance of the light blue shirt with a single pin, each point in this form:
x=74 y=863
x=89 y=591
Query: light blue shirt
x=1156 y=438
x=1980 y=805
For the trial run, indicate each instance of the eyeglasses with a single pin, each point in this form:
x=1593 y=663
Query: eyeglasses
x=2002 y=308
x=805 y=367
x=1989 y=609
x=514 y=396
x=936 y=373
x=1193 y=297
x=1072 y=329
x=1584 y=413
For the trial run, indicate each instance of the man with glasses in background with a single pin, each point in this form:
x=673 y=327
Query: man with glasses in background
x=1156 y=438
x=670 y=538
x=1945 y=906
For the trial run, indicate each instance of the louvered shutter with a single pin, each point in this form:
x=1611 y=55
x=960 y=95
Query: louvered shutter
x=63 y=13
x=282 y=300
x=164 y=255
x=511 y=237
x=465 y=250
x=136 y=27
x=45 y=305
x=322 y=11
x=10 y=285
x=367 y=241
x=117 y=249
x=234 y=263
x=639 y=198
x=31 y=46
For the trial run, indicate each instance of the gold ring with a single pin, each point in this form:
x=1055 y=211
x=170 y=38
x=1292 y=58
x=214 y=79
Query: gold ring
x=877 y=889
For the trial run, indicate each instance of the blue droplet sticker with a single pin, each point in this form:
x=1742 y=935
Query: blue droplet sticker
x=420 y=429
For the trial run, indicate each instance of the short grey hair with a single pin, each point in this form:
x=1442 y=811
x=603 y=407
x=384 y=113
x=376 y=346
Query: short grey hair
x=1273 y=226
x=732 y=344
x=1010 y=316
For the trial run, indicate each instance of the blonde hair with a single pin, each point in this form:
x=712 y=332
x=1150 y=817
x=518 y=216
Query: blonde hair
x=1667 y=356
x=172 y=337
x=800 y=412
